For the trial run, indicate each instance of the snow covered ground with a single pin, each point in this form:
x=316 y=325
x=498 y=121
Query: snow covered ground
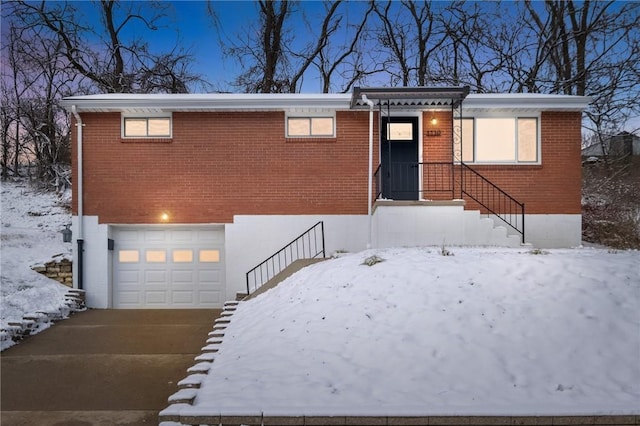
x=481 y=332
x=29 y=234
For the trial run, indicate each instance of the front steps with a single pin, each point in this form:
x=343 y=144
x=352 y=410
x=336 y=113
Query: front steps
x=426 y=223
x=483 y=231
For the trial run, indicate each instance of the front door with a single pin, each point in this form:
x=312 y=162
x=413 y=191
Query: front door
x=399 y=152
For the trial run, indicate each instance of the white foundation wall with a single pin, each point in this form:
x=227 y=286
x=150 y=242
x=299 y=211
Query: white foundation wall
x=418 y=225
x=553 y=230
x=550 y=230
x=96 y=261
x=250 y=240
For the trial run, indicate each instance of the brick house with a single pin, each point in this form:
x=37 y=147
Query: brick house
x=177 y=197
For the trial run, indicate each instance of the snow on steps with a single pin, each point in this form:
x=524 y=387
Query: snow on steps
x=187 y=387
x=33 y=322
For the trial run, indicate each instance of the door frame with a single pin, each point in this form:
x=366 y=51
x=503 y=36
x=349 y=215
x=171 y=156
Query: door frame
x=413 y=114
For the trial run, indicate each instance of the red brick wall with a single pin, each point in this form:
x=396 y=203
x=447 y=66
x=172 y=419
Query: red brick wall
x=221 y=164
x=554 y=186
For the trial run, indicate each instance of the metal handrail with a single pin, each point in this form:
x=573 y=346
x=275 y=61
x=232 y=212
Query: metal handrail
x=438 y=177
x=378 y=178
x=492 y=198
x=306 y=246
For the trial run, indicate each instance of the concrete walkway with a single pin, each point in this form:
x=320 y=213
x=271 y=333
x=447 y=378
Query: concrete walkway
x=101 y=367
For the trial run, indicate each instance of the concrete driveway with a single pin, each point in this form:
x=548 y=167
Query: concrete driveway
x=101 y=367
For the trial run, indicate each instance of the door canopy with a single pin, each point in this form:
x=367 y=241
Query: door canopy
x=409 y=97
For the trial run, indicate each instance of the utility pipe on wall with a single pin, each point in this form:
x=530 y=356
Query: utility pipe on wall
x=79 y=192
x=370 y=183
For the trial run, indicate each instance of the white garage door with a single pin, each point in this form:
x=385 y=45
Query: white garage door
x=168 y=267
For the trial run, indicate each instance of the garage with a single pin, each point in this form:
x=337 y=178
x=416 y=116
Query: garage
x=168 y=267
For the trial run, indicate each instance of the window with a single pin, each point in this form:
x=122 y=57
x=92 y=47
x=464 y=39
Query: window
x=209 y=256
x=128 y=256
x=156 y=256
x=400 y=131
x=183 y=256
x=511 y=140
x=146 y=127
x=305 y=127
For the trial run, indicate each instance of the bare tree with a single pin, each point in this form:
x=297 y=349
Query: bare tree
x=52 y=52
x=273 y=60
x=348 y=59
x=259 y=49
x=590 y=48
x=39 y=77
x=115 y=64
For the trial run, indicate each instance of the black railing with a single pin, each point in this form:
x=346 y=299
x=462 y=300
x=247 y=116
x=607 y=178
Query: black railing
x=403 y=178
x=309 y=245
x=377 y=176
x=492 y=198
x=400 y=181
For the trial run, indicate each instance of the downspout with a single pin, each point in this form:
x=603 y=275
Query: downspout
x=79 y=192
x=370 y=183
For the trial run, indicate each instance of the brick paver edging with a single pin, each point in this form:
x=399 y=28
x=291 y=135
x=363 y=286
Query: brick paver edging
x=407 y=421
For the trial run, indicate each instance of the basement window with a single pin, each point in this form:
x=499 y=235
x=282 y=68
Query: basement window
x=146 y=127
x=310 y=127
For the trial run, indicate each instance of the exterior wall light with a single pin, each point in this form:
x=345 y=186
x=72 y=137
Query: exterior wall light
x=66 y=234
x=434 y=121
x=164 y=216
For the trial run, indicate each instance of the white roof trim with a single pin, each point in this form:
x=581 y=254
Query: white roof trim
x=525 y=101
x=115 y=102
x=123 y=102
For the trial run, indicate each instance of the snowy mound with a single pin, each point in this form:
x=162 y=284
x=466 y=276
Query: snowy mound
x=30 y=235
x=478 y=332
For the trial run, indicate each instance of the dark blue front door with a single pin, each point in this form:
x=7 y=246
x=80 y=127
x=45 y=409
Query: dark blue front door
x=399 y=152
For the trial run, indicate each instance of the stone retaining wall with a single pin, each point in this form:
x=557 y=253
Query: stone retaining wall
x=34 y=322
x=59 y=270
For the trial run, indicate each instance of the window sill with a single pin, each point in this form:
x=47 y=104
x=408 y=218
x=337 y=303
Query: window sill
x=146 y=140
x=311 y=140
x=504 y=165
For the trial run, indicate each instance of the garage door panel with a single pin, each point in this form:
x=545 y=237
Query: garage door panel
x=155 y=236
x=130 y=236
x=182 y=277
x=156 y=297
x=210 y=297
x=129 y=298
x=210 y=237
x=209 y=277
x=128 y=277
x=182 y=296
x=155 y=277
x=169 y=267
x=183 y=236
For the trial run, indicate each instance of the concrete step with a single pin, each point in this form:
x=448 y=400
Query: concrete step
x=484 y=231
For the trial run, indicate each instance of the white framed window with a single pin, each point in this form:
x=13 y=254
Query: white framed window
x=499 y=140
x=146 y=126
x=310 y=126
x=400 y=131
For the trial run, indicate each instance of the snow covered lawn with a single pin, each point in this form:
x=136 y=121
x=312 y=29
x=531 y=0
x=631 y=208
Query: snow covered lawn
x=481 y=332
x=29 y=235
